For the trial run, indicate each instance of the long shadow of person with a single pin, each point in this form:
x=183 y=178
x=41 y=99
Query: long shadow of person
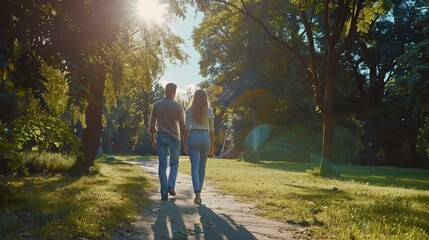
x=216 y=226
x=169 y=223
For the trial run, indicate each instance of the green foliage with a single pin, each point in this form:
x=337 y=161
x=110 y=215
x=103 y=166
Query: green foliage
x=297 y=143
x=415 y=63
x=10 y=106
x=132 y=86
x=46 y=163
x=5 y=144
x=57 y=90
x=42 y=133
x=3 y=62
x=330 y=171
x=347 y=145
x=9 y=160
x=28 y=77
x=300 y=142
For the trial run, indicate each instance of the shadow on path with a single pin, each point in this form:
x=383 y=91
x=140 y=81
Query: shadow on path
x=221 y=226
x=219 y=217
x=170 y=224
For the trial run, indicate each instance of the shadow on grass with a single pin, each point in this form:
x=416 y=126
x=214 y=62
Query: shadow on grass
x=29 y=205
x=122 y=158
x=68 y=207
x=288 y=166
x=387 y=176
x=377 y=176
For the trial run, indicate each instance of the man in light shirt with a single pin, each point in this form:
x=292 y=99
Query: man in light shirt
x=167 y=124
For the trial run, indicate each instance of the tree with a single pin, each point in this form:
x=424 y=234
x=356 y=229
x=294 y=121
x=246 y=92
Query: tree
x=252 y=81
x=374 y=63
x=328 y=27
x=79 y=39
x=415 y=77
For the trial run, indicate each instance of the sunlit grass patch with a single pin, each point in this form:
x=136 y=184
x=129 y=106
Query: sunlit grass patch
x=47 y=163
x=365 y=203
x=66 y=207
x=387 y=176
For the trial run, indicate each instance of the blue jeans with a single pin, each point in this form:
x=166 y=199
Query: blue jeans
x=167 y=145
x=198 y=146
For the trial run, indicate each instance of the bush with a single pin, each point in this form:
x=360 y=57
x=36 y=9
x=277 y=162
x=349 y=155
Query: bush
x=295 y=143
x=302 y=143
x=347 y=144
x=42 y=133
x=9 y=162
x=290 y=146
x=47 y=163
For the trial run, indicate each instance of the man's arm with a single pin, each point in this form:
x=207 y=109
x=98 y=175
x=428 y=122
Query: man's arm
x=182 y=121
x=152 y=128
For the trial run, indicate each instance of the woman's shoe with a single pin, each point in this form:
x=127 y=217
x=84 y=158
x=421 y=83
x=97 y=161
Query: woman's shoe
x=171 y=192
x=197 y=199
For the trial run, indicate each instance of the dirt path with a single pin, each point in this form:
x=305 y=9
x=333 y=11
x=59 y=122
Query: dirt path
x=218 y=217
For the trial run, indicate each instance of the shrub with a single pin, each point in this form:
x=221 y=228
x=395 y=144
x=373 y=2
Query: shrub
x=42 y=133
x=47 y=163
x=347 y=144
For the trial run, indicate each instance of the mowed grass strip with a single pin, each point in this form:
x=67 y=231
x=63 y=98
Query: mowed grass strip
x=367 y=203
x=70 y=207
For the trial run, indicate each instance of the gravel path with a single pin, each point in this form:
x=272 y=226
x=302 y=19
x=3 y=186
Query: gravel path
x=218 y=217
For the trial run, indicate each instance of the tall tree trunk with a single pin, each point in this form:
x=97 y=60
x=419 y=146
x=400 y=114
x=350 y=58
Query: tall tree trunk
x=413 y=131
x=328 y=144
x=94 y=127
x=146 y=137
x=371 y=135
x=328 y=115
x=371 y=121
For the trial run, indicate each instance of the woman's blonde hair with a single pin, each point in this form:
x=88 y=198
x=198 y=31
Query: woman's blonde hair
x=199 y=105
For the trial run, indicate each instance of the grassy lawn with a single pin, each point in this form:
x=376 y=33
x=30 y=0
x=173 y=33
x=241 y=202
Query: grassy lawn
x=367 y=203
x=69 y=207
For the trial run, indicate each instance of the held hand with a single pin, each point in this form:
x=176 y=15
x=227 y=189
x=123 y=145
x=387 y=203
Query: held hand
x=185 y=149
x=211 y=152
x=154 y=143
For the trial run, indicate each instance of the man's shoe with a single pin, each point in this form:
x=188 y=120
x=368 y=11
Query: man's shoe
x=164 y=198
x=171 y=192
x=197 y=201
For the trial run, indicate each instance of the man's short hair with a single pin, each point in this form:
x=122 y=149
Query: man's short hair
x=170 y=88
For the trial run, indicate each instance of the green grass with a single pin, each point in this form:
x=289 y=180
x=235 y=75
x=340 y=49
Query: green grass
x=69 y=207
x=366 y=203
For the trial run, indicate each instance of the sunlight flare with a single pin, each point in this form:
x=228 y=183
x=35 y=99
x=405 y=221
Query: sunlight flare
x=151 y=10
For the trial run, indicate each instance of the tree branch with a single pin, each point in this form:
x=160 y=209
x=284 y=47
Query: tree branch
x=314 y=78
x=357 y=7
x=265 y=28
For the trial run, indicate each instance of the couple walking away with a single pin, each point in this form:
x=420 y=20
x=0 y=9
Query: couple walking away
x=168 y=125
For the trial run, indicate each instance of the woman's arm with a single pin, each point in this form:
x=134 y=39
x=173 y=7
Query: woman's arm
x=185 y=141
x=211 y=152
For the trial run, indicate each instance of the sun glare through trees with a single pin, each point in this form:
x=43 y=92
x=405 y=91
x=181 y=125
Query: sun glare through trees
x=151 y=10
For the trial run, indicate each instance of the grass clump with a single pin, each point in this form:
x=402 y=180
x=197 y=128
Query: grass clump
x=365 y=203
x=47 y=163
x=72 y=207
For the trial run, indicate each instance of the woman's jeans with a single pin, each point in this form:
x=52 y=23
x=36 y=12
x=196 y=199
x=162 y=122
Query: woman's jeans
x=198 y=146
x=167 y=145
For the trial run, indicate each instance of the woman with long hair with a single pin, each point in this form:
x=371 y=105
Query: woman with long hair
x=199 y=138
